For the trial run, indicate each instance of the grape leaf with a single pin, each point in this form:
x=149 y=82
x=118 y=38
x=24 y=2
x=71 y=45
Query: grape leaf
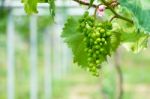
x=74 y=39
x=135 y=41
x=115 y=40
x=141 y=12
x=30 y=6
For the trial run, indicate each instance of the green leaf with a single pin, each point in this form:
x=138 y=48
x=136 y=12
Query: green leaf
x=141 y=12
x=135 y=41
x=52 y=7
x=30 y=6
x=115 y=40
x=74 y=40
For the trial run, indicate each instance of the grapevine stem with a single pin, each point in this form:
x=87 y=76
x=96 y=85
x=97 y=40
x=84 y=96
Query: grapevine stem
x=107 y=7
x=119 y=83
x=96 y=9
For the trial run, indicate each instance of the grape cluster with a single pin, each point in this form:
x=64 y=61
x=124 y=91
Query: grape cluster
x=97 y=37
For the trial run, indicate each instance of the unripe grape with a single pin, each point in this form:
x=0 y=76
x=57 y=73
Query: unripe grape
x=103 y=39
x=105 y=42
x=108 y=33
x=91 y=64
x=88 y=69
x=102 y=31
x=96 y=46
x=90 y=23
x=93 y=35
x=97 y=34
x=89 y=54
x=97 y=52
x=94 y=69
x=82 y=24
x=101 y=49
x=92 y=18
x=91 y=40
x=94 y=55
x=90 y=51
x=99 y=24
x=89 y=59
x=88 y=26
x=97 y=62
x=86 y=14
x=96 y=38
x=98 y=28
x=95 y=42
x=100 y=44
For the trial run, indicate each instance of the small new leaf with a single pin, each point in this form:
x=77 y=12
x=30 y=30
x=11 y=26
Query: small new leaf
x=52 y=7
x=91 y=3
x=30 y=6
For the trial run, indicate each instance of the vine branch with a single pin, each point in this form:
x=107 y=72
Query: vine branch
x=108 y=6
x=115 y=13
x=85 y=3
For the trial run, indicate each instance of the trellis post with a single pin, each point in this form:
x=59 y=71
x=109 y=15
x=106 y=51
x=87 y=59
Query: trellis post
x=33 y=58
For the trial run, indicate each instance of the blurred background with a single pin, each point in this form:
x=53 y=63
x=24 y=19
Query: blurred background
x=36 y=64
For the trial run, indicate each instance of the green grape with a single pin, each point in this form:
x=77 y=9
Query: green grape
x=103 y=39
x=89 y=59
x=100 y=44
x=97 y=61
x=96 y=46
x=93 y=35
x=97 y=34
x=82 y=24
x=91 y=40
x=101 y=49
x=94 y=55
x=97 y=52
x=95 y=42
x=90 y=51
x=102 y=31
x=108 y=33
x=99 y=24
x=105 y=43
x=98 y=39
